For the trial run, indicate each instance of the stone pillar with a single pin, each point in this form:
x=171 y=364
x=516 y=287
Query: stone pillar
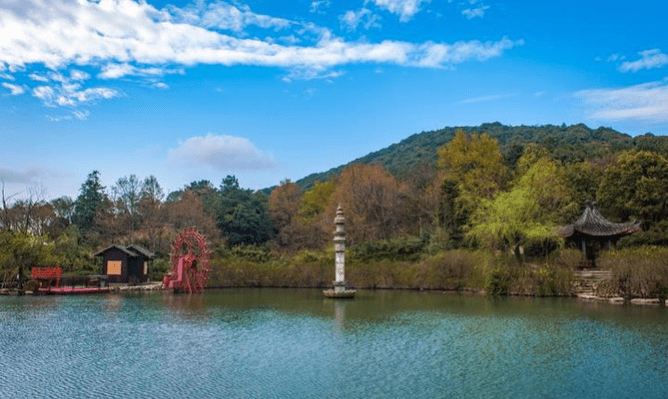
x=340 y=251
x=339 y=290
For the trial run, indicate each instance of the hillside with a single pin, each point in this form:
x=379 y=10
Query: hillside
x=567 y=143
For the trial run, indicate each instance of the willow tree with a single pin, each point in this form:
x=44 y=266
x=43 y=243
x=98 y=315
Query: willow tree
x=528 y=213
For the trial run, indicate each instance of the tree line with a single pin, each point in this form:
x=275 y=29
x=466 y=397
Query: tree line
x=476 y=194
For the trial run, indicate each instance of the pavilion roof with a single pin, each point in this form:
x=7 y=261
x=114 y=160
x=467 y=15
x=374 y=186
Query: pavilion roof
x=592 y=223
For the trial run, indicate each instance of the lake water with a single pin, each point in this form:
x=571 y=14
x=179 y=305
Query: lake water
x=267 y=343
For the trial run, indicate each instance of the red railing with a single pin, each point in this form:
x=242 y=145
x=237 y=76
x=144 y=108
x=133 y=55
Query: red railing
x=46 y=275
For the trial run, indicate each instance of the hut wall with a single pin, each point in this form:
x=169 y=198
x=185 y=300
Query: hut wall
x=115 y=265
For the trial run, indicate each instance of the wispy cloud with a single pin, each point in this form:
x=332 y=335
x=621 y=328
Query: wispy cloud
x=225 y=16
x=477 y=12
x=71 y=94
x=351 y=19
x=406 y=9
x=649 y=59
x=21 y=177
x=646 y=102
x=74 y=115
x=222 y=153
x=14 y=90
x=492 y=97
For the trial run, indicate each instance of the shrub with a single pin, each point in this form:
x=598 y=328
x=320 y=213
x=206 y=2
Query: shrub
x=159 y=268
x=568 y=259
x=448 y=270
x=497 y=281
x=638 y=272
x=404 y=248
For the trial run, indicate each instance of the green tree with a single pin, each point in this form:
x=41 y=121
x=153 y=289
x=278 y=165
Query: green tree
x=635 y=187
x=21 y=250
x=529 y=212
x=243 y=216
x=89 y=202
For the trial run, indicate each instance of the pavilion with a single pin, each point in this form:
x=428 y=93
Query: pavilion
x=592 y=232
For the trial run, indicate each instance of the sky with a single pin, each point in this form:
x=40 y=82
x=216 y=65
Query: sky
x=271 y=90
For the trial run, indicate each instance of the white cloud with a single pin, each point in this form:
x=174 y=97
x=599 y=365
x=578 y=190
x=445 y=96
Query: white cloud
x=78 y=75
x=38 y=78
x=646 y=102
x=14 y=89
x=221 y=153
x=129 y=38
x=225 y=16
x=406 y=9
x=351 y=19
x=477 y=12
x=317 y=6
x=650 y=59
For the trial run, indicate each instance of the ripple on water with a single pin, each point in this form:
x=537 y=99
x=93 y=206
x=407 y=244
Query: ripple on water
x=284 y=344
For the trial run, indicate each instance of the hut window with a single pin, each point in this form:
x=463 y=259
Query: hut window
x=145 y=267
x=114 y=267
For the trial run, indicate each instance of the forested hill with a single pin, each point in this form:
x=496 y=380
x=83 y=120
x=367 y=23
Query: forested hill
x=566 y=143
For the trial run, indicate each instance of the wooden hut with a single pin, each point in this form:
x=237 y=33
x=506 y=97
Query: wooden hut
x=126 y=264
x=592 y=232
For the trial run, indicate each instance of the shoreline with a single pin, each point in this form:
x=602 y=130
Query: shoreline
x=157 y=287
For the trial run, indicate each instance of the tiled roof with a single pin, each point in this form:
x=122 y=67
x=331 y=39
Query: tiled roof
x=132 y=250
x=594 y=224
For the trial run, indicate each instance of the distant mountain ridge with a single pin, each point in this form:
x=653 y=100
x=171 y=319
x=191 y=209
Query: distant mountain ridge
x=567 y=143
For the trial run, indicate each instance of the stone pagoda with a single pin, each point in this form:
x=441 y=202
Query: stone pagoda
x=339 y=290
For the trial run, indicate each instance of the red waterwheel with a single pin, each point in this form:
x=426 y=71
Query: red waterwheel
x=190 y=262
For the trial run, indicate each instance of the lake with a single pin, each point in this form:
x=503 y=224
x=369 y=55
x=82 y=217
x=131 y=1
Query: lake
x=272 y=343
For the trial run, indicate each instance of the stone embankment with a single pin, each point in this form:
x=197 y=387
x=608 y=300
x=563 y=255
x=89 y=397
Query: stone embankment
x=145 y=287
x=586 y=282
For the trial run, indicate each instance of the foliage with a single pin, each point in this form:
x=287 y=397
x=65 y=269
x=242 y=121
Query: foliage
x=72 y=255
x=376 y=205
x=567 y=144
x=638 y=272
x=635 y=187
x=400 y=248
x=19 y=251
x=528 y=212
x=89 y=202
x=475 y=162
x=243 y=216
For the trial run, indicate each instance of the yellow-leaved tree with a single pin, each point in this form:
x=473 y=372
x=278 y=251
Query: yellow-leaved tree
x=473 y=171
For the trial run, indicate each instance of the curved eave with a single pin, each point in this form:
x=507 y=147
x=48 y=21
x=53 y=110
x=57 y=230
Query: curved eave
x=600 y=230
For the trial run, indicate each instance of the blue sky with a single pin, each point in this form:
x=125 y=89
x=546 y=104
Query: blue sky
x=269 y=90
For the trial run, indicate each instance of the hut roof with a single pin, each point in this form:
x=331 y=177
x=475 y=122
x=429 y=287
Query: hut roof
x=131 y=250
x=592 y=223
